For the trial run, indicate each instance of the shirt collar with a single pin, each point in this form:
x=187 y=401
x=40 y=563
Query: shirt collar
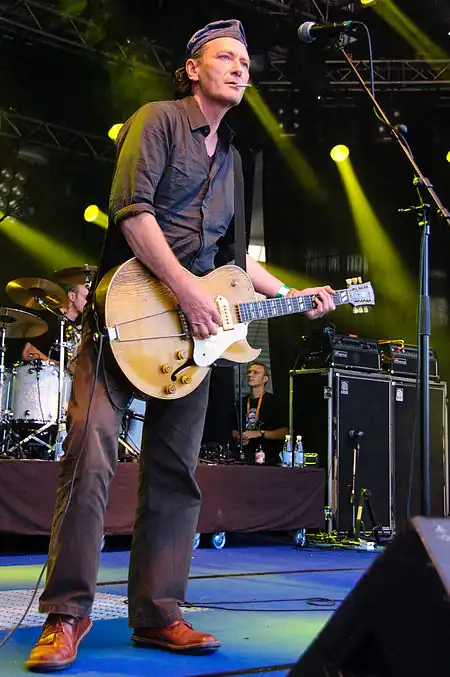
x=198 y=121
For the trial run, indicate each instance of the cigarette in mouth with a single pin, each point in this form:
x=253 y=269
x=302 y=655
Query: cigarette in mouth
x=238 y=85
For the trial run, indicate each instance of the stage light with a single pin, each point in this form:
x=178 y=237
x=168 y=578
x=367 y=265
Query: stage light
x=301 y=169
x=20 y=177
x=94 y=214
x=17 y=191
x=12 y=192
x=448 y=156
x=114 y=131
x=339 y=153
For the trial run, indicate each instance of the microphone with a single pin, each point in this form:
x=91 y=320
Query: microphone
x=310 y=31
x=355 y=434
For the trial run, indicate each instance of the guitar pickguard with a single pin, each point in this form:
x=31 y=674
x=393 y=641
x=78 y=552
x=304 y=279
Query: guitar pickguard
x=207 y=351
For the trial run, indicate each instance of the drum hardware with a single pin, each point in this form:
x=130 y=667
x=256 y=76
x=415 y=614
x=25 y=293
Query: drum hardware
x=132 y=451
x=34 y=437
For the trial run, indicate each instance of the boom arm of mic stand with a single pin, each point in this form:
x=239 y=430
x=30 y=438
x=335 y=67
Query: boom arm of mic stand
x=423 y=181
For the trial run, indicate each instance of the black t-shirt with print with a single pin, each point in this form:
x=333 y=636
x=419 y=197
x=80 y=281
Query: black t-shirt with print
x=269 y=417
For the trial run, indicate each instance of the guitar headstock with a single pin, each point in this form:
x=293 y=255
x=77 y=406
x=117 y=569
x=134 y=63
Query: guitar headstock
x=360 y=294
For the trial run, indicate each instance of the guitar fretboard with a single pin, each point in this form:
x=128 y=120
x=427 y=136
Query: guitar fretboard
x=261 y=310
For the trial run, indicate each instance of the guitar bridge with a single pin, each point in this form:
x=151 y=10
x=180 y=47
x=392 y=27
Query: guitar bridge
x=186 y=330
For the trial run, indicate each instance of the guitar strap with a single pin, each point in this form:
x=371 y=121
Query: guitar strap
x=240 y=235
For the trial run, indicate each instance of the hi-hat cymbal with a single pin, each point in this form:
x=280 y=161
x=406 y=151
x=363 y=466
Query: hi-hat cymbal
x=27 y=290
x=21 y=324
x=75 y=275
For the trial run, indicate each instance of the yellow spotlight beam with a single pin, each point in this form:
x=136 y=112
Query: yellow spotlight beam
x=387 y=270
x=301 y=168
x=292 y=278
x=50 y=252
x=408 y=30
x=94 y=214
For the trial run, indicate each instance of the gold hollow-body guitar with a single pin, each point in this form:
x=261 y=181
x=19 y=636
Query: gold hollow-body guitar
x=150 y=337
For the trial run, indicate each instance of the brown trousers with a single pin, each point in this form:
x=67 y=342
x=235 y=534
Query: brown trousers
x=168 y=497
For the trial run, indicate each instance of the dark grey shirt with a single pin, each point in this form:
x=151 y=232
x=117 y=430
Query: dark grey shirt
x=163 y=168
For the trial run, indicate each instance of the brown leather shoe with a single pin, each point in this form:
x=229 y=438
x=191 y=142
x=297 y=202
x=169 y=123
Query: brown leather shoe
x=178 y=636
x=57 y=646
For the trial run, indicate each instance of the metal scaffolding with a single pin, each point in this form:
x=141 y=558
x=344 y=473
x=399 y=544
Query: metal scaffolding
x=404 y=75
x=56 y=137
x=51 y=26
x=267 y=6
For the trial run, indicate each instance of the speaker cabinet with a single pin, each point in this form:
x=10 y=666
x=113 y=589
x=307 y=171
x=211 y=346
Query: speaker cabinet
x=326 y=406
x=396 y=621
x=407 y=456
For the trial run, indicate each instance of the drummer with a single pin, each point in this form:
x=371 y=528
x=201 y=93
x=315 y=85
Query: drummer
x=44 y=347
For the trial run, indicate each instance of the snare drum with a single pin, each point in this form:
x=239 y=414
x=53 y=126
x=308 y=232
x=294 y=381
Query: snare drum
x=35 y=392
x=6 y=395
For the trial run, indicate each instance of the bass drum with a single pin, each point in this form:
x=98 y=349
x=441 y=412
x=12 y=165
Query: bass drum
x=34 y=396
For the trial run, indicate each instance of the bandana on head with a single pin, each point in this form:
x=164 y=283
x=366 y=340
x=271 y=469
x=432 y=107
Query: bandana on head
x=231 y=28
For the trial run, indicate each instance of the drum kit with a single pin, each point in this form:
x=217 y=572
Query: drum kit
x=34 y=395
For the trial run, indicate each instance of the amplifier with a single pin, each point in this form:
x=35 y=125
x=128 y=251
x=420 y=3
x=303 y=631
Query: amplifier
x=339 y=350
x=404 y=362
x=325 y=407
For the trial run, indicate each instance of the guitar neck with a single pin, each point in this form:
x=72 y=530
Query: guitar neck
x=261 y=310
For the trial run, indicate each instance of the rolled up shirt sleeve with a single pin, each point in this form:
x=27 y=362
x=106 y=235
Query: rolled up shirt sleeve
x=143 y=150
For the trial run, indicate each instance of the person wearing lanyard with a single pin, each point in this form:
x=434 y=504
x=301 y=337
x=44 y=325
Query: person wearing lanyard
x=263 y=423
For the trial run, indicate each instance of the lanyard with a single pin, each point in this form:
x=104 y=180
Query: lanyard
x=258 y=406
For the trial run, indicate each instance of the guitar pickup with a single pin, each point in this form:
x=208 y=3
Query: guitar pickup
x=225 y=313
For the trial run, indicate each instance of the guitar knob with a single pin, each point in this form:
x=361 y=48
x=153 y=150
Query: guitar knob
x=186 y=379
x=181 y=355
x=166 y=368
x=170 y=389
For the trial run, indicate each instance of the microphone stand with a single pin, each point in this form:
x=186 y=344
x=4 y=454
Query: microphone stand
x=423 y=213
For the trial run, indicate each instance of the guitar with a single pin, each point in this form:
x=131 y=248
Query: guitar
x=150 y=337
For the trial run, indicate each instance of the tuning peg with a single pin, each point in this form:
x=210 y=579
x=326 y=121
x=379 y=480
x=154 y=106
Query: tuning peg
x=359 y=280
x=355 y=311
x=355 y=280
x=365 y=309
x=348 y=281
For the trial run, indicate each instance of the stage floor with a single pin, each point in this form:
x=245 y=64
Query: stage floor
x=253 y=595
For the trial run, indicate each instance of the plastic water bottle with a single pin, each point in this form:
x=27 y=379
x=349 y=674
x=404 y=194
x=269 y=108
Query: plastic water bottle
x=260 y=457
x=60 y=437
x=299 y=457
x=286 y=454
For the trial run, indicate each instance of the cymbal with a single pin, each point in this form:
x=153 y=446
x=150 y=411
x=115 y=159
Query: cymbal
x=21 y=324
x=75 y=275
x=26 y=290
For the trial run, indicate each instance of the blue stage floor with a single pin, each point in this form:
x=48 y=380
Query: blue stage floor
x=253 y=598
